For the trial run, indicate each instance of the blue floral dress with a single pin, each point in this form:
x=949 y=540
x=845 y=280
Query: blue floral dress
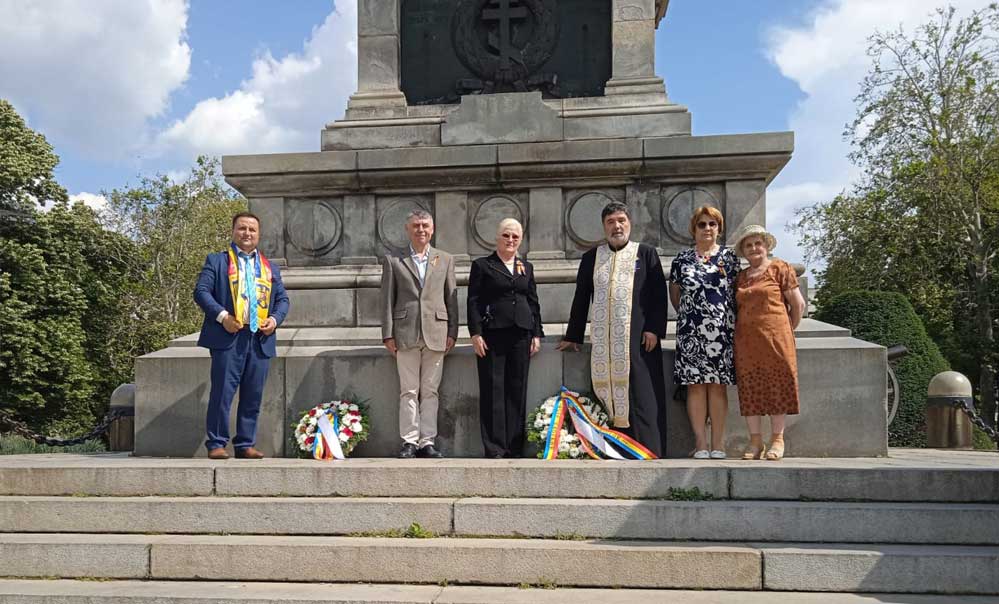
x=705 y=323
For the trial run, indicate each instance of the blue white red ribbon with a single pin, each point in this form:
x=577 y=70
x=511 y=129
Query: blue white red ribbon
x=327 y=443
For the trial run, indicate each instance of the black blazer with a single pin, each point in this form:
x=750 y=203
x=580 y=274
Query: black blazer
x=497 y=299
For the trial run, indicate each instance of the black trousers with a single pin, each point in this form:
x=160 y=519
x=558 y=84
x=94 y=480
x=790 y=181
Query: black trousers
x=503 y=390
x=647 y=400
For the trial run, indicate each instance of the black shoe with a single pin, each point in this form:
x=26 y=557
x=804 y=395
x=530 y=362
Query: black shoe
x=429 y=451
x=408 y=451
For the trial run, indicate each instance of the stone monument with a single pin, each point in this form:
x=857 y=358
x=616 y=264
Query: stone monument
x=477 y=110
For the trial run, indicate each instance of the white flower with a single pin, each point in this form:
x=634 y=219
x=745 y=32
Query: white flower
x=573 y=451
x=344 y=407
x=313 y=421
x=353 y=408
x=356 y=427
x=539 y=423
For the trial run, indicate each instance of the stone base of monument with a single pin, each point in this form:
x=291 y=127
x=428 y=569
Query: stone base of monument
x=839 y=418
x=113 y=528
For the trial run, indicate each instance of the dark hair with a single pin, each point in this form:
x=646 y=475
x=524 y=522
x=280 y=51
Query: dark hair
x=245 y=215
x=613 y=208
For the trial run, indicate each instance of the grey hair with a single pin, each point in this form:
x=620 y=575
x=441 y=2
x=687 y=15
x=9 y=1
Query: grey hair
x=507 y=223
x=419 y=214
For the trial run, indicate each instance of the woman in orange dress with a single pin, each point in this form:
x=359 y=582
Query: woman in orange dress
x=770 y=307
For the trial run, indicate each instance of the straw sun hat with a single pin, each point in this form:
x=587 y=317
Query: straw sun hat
x=754 y=230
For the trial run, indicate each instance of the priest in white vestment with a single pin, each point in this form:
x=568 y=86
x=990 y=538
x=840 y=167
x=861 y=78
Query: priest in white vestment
x=624 y=281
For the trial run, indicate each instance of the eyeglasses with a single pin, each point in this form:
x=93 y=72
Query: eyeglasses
x=704 y=225
x=511 y=236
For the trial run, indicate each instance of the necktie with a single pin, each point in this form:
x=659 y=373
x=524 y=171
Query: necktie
x=250 y=289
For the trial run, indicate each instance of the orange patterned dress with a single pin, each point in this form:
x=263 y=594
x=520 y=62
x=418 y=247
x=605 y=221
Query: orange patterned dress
x=766 y=363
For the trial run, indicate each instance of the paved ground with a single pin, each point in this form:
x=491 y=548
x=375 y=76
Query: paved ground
x=897 y=458
x=180 y=592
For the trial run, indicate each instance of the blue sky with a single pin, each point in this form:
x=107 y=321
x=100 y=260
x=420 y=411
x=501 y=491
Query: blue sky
x=129 y=88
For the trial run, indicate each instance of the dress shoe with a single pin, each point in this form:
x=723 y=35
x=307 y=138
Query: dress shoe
x=429 y=451
x=249 y=453
x=408 y=451
x=218 y=453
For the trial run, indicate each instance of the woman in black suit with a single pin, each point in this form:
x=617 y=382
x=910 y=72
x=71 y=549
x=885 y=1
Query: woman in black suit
x=504 y=320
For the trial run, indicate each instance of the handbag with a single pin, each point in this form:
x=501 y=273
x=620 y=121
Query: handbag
x=680 y=394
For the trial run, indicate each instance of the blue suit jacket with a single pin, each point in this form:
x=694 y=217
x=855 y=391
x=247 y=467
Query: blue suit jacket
x=213 y=295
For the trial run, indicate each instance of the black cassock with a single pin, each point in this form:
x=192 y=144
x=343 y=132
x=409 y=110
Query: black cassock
x=647 y=388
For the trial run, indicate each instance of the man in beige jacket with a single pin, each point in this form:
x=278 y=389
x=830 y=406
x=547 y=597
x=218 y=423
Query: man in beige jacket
x=419 y=326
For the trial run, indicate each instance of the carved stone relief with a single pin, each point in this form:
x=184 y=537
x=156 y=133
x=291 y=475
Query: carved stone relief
x=313 y=228
x=392 y=214
x=678 y=206
x=489 y=213
x=582 y=215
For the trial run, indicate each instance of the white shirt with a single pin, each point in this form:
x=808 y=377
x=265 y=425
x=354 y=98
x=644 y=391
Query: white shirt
x=420 y=261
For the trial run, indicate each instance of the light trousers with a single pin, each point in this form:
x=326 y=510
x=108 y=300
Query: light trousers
x=419 y=378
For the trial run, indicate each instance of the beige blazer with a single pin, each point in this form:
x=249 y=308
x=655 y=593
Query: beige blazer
x=410 y=311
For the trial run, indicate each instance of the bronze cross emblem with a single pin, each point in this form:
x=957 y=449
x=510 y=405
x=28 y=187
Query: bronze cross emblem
x=505 y=12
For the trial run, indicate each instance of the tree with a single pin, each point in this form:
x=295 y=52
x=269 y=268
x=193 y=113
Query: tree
x=58 y=274
x=27 y=163
x=925 y=218
x=175 y=225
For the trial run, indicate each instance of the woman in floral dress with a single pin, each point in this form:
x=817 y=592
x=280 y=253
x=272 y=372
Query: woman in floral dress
x=702 y=292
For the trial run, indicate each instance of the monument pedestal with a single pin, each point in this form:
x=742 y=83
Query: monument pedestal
x=315 y=364
x=560 y=113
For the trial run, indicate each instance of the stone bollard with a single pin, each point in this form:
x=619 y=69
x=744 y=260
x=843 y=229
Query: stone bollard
x=121 y=434
x=947 y=427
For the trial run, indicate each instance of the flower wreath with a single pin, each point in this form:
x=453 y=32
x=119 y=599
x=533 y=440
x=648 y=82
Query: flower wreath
x=314 y=432
x=569 y=443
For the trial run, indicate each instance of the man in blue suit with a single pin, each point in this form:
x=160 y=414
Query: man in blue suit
x=244 y=302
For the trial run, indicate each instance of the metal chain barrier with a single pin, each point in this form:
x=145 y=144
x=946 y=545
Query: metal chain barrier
x=969 y=410
x=20 y=428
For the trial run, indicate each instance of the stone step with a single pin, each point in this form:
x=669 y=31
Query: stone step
x=907 y=476
x=26 y=591
x=805 y=522
x=625 y=564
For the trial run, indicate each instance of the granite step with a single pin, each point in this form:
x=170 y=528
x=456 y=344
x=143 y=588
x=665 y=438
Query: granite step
x=209 y=592
x=908 y=476
x=649 y=564
x=805 y=522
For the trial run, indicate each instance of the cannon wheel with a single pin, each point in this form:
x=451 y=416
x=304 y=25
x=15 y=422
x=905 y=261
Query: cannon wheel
x=894 y=394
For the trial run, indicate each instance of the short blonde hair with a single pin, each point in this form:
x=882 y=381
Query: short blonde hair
x=712 y=213
x=508 y=223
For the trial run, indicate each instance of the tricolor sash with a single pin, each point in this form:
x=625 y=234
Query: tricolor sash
x=610 y=328
x=262 y=279
x=595 y=439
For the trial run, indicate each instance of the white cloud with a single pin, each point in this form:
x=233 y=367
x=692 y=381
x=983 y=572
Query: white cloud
x=90 y=74
x=284 y=105
x=826 y=56
x=93 y=200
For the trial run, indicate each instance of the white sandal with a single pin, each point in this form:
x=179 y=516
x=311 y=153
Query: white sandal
x=716 y=454
x=702 y=454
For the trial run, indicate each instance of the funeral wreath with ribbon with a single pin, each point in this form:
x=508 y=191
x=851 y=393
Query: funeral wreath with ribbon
x=331 y=430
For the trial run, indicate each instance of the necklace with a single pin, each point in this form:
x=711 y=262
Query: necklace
x=706 y=257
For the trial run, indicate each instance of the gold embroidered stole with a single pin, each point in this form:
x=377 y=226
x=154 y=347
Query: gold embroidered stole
x=610 y=328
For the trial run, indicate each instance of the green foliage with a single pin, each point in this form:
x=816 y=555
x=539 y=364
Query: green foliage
x=887 y=319
x=981 y=440
x=924 y=218
x=175 y=226
x=691 y=494
x=11 y=444
x=57 y=272
x=27 y=163
x=83 y=294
